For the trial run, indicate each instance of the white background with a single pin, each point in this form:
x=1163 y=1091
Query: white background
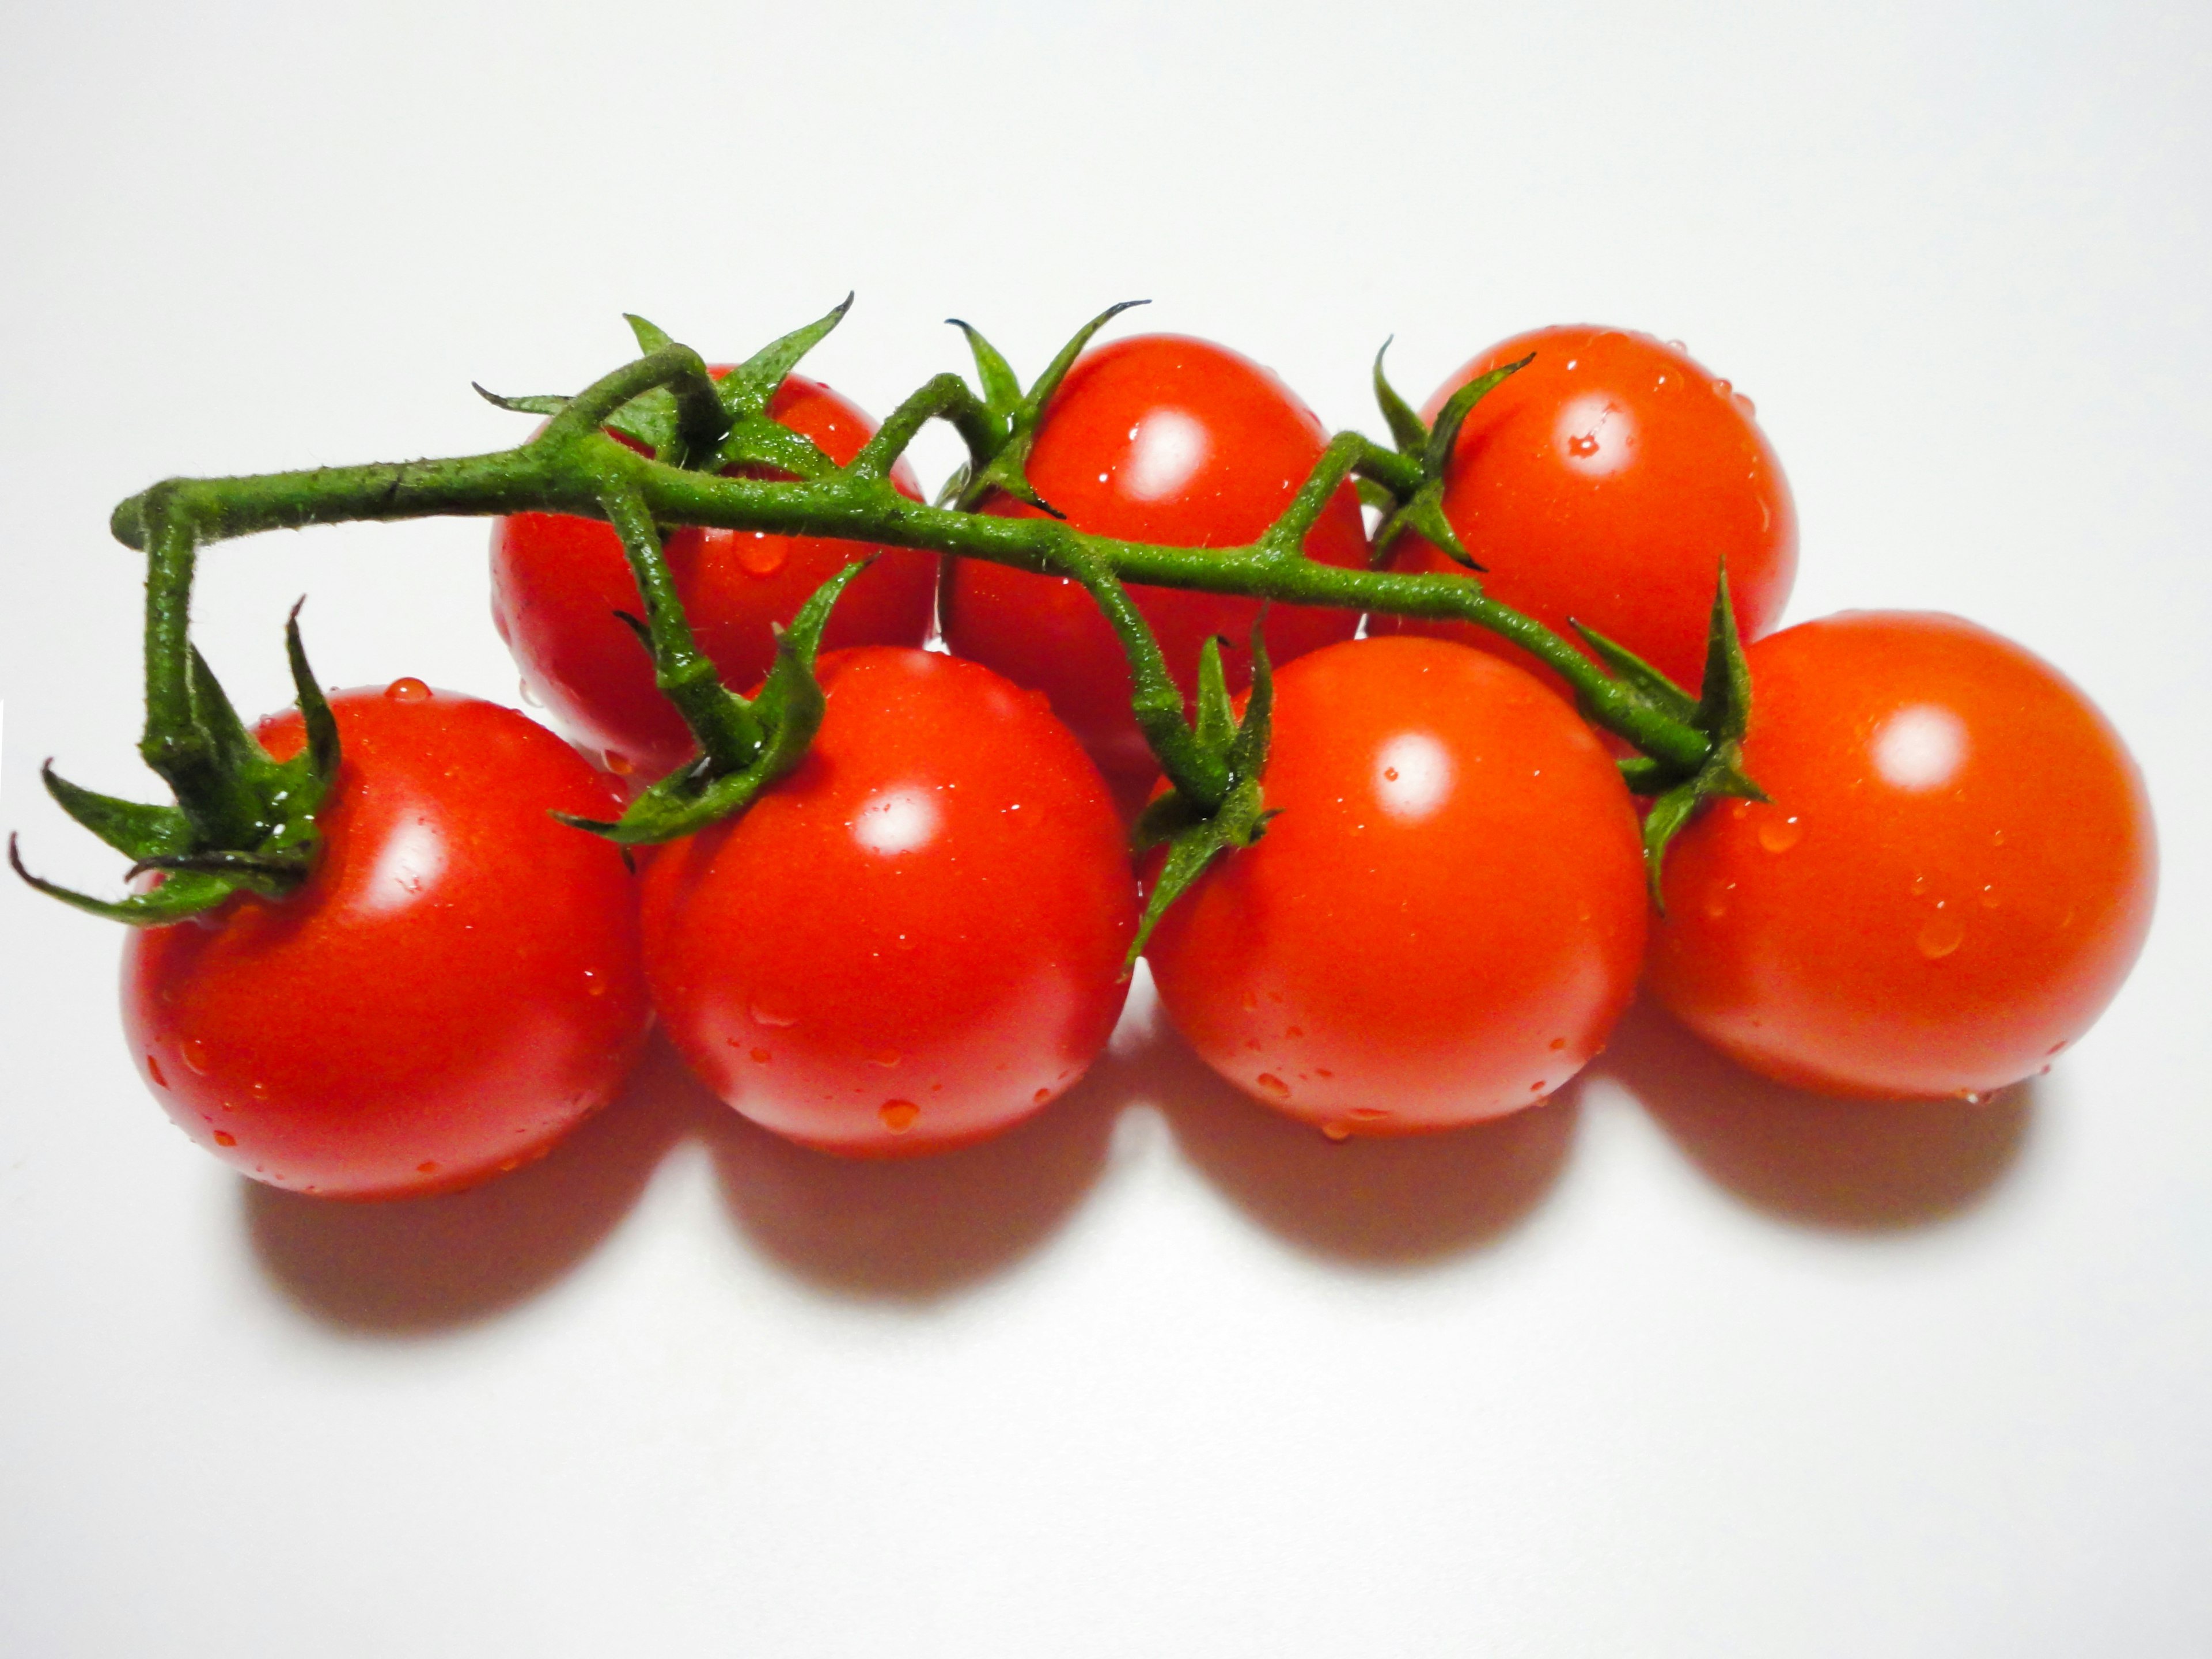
x=1682 y=1365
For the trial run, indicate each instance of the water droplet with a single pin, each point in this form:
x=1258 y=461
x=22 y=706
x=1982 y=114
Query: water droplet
x=763 y=555
x=1252 y=1044
x=154 y=1070
x=258 y=1090
x=1322 y=1070
x=1390 y=773
x=529 y=696
x=195 y=1056
x=1040 y=1096
x=885 y=1058
x=1370 y=1113
x=597 y=987
x=898 y=1115
x=1337 y=1132
x=1997 y=837
x=1919 y=886
x=1778 y=835
x=765 y=1010
x=1717 y=899
x=1676 y=345
x=1749 y=408
x=1739 y=809
x=760 y=1056
x=904 y=942
x=1970 y=1097
x=428 y=1166
x=1537 y=1087
x=1943 y=934
x=224 y=1138
x=407 y=688
x=1721 y=388
x=1989 y=899
x=1270 y=1083
x=1251 y=1003
x=1582 y=445
x=1558 y=1043
x=619 y=763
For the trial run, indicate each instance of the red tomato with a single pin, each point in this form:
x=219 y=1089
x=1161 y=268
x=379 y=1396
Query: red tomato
x=1953 y=879
x=1605 y=481
x=1169 y=440
x=913 y=941
x=557 y=582
x=1444 y=920
x=457 y=985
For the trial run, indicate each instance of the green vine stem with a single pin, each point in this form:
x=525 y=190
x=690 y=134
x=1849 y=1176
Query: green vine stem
x=572 y=467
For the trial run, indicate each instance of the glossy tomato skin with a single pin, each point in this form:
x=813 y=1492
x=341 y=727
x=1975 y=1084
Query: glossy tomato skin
x=1178 y=442
x=1955 y=872
x=1445 y=920
x=1606 y=482
x=913 y=941
x=457 y=985
x=557 y=582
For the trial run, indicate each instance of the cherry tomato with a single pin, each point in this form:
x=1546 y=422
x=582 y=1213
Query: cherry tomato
x=1445 y=918
x=457 y=985
x=913 y=940
x=1954 y=876
x=1165 y=439
x=1606 y=482
x=557 y=582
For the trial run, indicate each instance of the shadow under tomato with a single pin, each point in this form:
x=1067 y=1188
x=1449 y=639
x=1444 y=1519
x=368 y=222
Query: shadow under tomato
x=1388 y=1202
x=1855 y=1165
x=915 y=1229
x=413 y=1267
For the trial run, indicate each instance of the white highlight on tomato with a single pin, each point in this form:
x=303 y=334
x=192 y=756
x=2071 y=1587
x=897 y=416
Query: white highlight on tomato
x=1920 y=747
x=1597 y=434
x=1412 y=776
x=896 y=821
x=1165 y=448
x=409 y=862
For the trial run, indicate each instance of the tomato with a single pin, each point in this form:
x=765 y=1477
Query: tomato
x=1954 y=876
x=456 y=985
x=1169 y=440
x=1606 y=482
x=557 y=582
x=1445 y=918
x=914 y=939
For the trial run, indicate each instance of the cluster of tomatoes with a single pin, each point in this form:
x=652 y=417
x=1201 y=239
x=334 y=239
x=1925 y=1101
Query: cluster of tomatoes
x=918 y=938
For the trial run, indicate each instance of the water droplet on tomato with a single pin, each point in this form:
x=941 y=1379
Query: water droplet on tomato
x=407 y=688
x=2057 y=1046
x=1558 y=1043
x=619 y=763
x=761 y=554
x=224 y=1138
x=1040 y=1096
x=154 y=1070
x=529 y=696
x=767 y=1010
x=1721 y=388
x=1997 y=837
x=1778 y=835
x=1676 y=345
x=257 y=1090
x=1390 y=774
x=898 y=1115
x=1270 y=1083
x=760 y=1056
x=885 y=1058
x=1337 y=1132
x=428 y=1166
x=1537 y=1087
x=1943 y=934
x=1989 y=899
x=1582 y=445
x=196 y=1056
x=1919 y=886
x=1717 y=899
x=1251 y=1003
x=1370 y=1113
x=1970 y=1097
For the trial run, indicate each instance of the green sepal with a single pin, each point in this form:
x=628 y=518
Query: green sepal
x=174 y=900
x=322 y=727
x=1005 y=471
x=754 y=438
x=1724 y=710
x=1436 y=456
x=789 y=709
x=1216 y=724
x=546 y=404
x=1407 y=430
x=1645 y=683
x=136 y=830
x=1423 y=515
x=750 y=387
x=1380 y=496
x=1002 y=392
x=650 y=336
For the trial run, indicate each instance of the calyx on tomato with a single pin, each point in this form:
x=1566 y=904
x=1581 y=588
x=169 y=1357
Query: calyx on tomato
x=1417 y=505
x=243 y=821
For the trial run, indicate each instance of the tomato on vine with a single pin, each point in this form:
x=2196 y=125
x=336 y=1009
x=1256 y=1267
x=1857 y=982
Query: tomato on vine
x=1953 y=875
x=1605 y=483
x=1166 y=440
x=914 y=939
x=454 y=986
x=559 y=581
x=1444 y=919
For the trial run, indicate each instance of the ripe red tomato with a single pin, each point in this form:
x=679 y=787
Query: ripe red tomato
x=913 y=940
x=1165 y=439
x=1954 y=876
x=557 y=582
x=456 y=985
x=1444 y=920
x=1605 y=481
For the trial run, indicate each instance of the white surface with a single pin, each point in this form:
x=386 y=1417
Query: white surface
x=1682 y=1365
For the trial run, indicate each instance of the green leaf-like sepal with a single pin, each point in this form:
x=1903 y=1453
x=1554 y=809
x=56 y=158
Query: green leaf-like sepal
x=1423 y=515
x=1643 y=681
x=544 y=404
x=137 y=831
x=750 y=387
x=1002 y=392
x=789 y=710
x=1003 y=473
x=650 y=336
x=1407 y=430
